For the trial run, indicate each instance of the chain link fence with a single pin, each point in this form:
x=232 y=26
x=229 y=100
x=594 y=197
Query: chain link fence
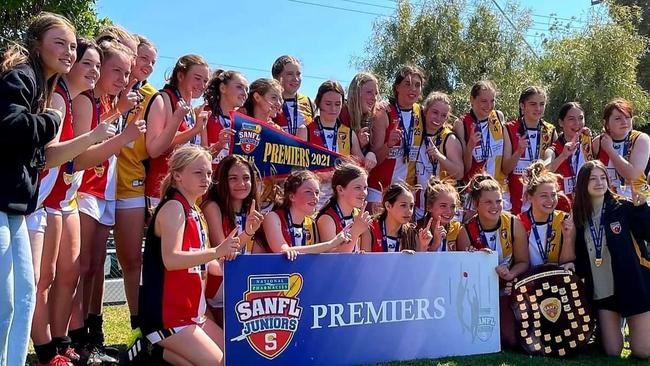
x=114 y=283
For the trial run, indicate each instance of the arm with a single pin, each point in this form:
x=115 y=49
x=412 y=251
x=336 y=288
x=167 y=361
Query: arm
x=301 y=133
x=519 y=251
x=452 y=161
x=462 y=242
x=551 y=161
x=213 y=218
x=162 y=126
x=275 y=239
x=378 y=135
x=568 y=250
x=634 y=168
x=511 y=158
x=466 y=148
x=326 y=227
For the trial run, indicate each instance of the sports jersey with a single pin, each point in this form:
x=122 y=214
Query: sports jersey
x=427 y=167
x=571 y=166
x=216 y=124
x=544 y=238
x=499 y=239
x=400 y=163
x=100 y=180
x=295 y=113
x=624 y=148
x=487 y=154
x=449 y=241
x=173 y=298
x=130 y=163
x=340 y=221
x=59 y=185
x=539 y=139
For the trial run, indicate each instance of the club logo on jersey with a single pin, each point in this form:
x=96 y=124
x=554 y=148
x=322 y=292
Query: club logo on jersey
x=270 y=312
x=616 y=227
x=249 y=136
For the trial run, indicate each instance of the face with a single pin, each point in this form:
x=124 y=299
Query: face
x=573 y=122
x=437 y=114
x=269 y=104
x=618 y=124
x=85 y=72
x=355 y=192
x=533 y=107
x=330 y=106
x=544 y=199
x=194 y=80
x=235 y=91
x=444 y=207
x=291 y=78
x=409 y=90
x=402 y=209
x=239 y=181
x=195 y=178
x=483 y=103
x=306 y=197
x=597 y=186
x=490 y=205
x=115 y=73
x=144 y=62
x=58 y=50
x=368 y=95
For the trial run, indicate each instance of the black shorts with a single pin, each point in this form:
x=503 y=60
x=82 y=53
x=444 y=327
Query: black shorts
x=609 y=303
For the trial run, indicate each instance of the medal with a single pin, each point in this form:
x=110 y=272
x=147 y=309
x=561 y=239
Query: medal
x=597 y=236
x=598 y=262
x=99 y=171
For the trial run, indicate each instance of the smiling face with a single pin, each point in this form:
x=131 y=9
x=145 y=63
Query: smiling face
x=235 y=91
x=368 y=94
x=443 y=207
x=115 y=72
x=144 y=62
x=618 y=125
x=490 y=205
x=194 y=80
x=85 y=72
x=305 y=199
x=58 y=50
x=290 y=79
x=402 y=209
x=573 y=122
x=483 y=103
x=409 y=90
x=597 y=186
x=355 y=192
x=544 y=199
x=269 y=104
x=330 y=106
x=195 y=178
x=436 y=115
x=533 y=107
x=239 y=181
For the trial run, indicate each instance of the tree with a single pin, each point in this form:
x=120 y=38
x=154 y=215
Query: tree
x=642 y=23
x=15 y=15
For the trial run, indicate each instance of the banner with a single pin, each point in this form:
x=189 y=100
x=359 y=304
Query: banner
x=349 y=309
x=275 y=152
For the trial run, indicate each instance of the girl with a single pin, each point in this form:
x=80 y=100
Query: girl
x=550 y=232
x=397 y=134
x=27 y=80
x=481 y=133
x=345 y=206
x=528 y=138
x=172 y=304
x=171 y=121
x=441 y=201
x=572 y=148
x=297 y=110
x=327 y=131
x=623 y=150
x=360 y=107
x=610 y=253
x=290 y=228
x=264 y=100
x=226 y=92
x=391 y=230
x=493 y=229
x=441 y=152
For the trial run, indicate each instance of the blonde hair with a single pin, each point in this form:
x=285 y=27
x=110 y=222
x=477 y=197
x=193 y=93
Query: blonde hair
x=112 y=48
x=183 y=65
x=482 y=182
x=436 y=96
x=436 y=187
x=118 y=34
x=182 y=156
x=536 y=174
x=355 y=111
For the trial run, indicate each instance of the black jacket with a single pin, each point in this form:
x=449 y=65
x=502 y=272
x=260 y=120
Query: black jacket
x=627 y=229
x=24 y=132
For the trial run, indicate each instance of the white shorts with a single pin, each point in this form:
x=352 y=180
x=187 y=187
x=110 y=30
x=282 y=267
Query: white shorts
x=37 y=221
x=101 y=210
x=374 y=195
x=153 y=202
x=131 y=202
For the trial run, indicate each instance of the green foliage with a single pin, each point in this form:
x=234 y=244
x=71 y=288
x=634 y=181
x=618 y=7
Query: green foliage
x=15 y=15
x=460 y=42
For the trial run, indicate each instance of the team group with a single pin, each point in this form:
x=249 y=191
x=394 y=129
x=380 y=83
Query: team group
x=92 y=146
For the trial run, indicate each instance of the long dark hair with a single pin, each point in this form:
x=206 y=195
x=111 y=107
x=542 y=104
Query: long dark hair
x=220 y=190
x=582 y=206
x=343 y=175
x=212 y=93
x=390 y=195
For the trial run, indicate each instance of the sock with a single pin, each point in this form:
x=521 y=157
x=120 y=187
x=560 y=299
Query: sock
x=95 y=323
x=78 y=337
x=135 y=322
x=45 y=352
x=62 y=344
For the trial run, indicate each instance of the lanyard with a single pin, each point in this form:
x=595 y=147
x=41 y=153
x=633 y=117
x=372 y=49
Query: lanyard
x=485 y=142
x=537 y=137
x=69 y=165
x=321 y=130
x=384 y=237
x=292 y=121
x=189 y=117
x=542 y=251
x=409 y=134
x=438 y=141
x=339 y=213
x=225 y=121
x=597 y=236
x=626 y=151
x=484 y=237
x=292 y=229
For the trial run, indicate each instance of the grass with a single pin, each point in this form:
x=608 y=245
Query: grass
x=117 y=331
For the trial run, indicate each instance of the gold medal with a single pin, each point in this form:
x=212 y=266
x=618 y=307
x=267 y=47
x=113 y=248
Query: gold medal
x=67 y=178
x=598 y=262
x=99 y=171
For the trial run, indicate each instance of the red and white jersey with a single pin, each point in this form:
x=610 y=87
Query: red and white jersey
x=101 y=180
x=216 y=123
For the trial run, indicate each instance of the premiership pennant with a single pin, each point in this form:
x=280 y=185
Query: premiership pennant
x=276 y=153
